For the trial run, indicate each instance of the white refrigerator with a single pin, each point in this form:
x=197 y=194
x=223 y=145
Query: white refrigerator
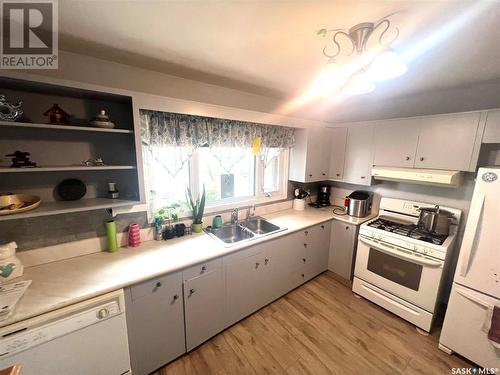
x=476 y=286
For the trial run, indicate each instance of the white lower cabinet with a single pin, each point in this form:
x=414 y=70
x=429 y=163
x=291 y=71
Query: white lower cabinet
x=342 y=249
x=264 y=272
x=204 y=301
x=217 y=294
x=155 y=322
x=244 y=283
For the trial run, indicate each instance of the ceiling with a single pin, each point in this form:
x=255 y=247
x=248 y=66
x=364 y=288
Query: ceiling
x=271 y=47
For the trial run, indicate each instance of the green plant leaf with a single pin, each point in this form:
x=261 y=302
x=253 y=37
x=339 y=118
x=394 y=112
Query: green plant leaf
x=322 y=32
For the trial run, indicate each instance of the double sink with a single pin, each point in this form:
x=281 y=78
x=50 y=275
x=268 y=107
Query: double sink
x=247 y=230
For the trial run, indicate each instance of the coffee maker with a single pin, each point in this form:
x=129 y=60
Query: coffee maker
x=323 y=199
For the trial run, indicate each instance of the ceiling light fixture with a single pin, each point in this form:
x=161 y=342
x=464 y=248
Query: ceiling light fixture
x=374 y=64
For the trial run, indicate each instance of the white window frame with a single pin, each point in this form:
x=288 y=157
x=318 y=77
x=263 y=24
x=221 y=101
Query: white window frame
x=258 y=198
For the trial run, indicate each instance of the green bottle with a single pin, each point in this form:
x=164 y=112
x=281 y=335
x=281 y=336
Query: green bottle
x=111 y=236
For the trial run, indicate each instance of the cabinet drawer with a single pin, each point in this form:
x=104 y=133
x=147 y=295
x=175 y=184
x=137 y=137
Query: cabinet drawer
x=201 y=269
x=304 y=274
x=156 y=285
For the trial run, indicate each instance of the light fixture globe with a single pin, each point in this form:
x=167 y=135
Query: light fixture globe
x=358 y=84
x=387 y=65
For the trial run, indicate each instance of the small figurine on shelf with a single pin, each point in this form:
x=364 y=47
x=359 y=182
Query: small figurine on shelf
x=55 y=115
x=101 y=120
x=8 y=111
x=21 y=160
x=97 y=162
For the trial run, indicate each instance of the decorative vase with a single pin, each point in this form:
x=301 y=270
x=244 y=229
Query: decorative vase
x=197 y=228
x=134 y=235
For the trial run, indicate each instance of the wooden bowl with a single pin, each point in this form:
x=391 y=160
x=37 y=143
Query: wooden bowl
x=16 y=203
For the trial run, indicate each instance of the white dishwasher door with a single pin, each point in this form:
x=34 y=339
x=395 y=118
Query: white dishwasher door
x=89 y=338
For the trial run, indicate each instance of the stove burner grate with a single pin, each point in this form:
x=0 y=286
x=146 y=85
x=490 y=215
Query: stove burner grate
x=408 y=230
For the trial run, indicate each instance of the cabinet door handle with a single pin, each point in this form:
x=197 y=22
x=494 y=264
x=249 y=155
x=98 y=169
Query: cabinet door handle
x=362 y=177
x=266 y=261
x=408 y=158
x=304 y=260
x=191 y=292
x=322 y=227
x=422 y=158
x=176 y=297
x=346 y=228
x=338 y=174
x=302 y=275
x=324 y=174
x=257 y=264
x=306 y=232
x=305 y=245
x=203 y=268
x=310 y=175
x=158 y=285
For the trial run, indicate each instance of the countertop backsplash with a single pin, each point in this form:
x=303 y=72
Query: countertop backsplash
x=43 y=231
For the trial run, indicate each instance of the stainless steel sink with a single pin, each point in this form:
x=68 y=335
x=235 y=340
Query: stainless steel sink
x=231 y=233
x=259 y=225
x=247 y=230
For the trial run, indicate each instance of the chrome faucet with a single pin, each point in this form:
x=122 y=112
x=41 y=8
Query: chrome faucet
x=250 y=211
x=234 y=216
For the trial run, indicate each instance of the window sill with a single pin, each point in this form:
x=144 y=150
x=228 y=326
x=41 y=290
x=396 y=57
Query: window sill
x=244 y=203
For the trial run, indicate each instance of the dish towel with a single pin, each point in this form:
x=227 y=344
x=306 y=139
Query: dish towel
x=494 y=330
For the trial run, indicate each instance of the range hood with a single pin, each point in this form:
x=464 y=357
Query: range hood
x=418 y=176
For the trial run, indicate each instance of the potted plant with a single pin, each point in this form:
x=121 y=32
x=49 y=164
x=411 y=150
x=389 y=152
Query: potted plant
x=197 y=207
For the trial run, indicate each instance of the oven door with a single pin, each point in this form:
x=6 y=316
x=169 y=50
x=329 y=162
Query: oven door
x=411 y=276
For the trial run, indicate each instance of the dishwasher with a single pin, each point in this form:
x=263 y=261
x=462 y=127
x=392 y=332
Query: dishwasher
x=87 y=338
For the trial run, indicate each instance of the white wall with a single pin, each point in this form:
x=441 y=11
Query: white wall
x=476 y=96
x=90 y=70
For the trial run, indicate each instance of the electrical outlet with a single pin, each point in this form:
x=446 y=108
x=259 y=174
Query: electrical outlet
x=338 y=201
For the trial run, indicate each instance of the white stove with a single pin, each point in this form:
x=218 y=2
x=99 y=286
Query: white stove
x=399 y=266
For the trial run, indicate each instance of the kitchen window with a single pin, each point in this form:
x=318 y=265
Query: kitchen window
x=232 y=175
x=239 y=163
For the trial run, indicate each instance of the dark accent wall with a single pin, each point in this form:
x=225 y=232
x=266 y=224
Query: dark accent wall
x=44 y=231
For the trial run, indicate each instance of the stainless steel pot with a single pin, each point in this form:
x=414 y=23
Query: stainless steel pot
x=435 y=220
x=359 y=203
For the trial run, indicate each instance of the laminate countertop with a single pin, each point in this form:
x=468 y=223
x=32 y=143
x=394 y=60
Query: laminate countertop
x=62 y=283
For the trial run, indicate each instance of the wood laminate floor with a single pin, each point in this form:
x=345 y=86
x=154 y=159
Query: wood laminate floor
x=319 y=328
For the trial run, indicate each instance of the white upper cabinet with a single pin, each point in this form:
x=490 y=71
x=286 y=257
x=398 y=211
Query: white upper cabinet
x=447 y=141
x=338 y=140
x=395 y=143
x=310 y=156
x=492 y=129
x=359 y=155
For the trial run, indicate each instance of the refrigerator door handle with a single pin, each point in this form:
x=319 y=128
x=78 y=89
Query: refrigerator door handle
x=476 y=208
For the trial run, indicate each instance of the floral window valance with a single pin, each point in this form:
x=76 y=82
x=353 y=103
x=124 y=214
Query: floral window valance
x=173 y=129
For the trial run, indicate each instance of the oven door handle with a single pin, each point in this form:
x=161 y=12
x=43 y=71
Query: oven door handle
x=399 y=253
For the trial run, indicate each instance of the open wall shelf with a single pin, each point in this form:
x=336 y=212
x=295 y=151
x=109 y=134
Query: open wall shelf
x=59 y=150
x=65 y=168
x=27 y=125
x=64 y=207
